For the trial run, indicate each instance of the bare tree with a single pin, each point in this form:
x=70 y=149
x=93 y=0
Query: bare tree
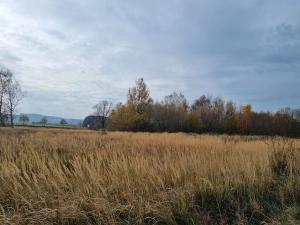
x=175 y=109
x=44 y=121
x=14 y=97
x=80 y=123
x=103 y=109
x=24 y=119
x=5 y=79
x=63 y=122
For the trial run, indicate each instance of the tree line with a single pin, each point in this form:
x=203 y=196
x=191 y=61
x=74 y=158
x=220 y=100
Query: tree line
x=10 y=97
x=205 y=115
x=24 y=120
x=173 y=114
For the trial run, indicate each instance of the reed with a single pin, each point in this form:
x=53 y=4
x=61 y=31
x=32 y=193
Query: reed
x=56 y=176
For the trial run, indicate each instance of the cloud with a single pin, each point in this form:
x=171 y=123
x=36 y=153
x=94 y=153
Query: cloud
x=68 y=54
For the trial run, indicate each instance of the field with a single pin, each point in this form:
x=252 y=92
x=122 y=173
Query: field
x=56 y=176
x=49 y=125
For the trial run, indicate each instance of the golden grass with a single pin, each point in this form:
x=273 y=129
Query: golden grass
x=83 y=177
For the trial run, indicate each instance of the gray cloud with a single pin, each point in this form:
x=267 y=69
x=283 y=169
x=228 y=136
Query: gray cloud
x=68 y=54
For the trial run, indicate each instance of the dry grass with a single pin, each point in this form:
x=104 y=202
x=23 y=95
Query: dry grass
x=82 y=177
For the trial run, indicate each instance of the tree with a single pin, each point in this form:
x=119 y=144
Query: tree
x=10 y=96
x=139 y=94
x=123 y=118
x=63 y=122
x=135 y=115
x=24 y=119
x=5 y=78
x=246 y=119
x=218 y=115
x=206 y=114
x=14 y=97
x=202 y=107
x=175 y=110
x=80 y=123
x=192 y=122
x=231 y=120
x=103 y=109
x=262 y=123
x=297 y=114
x=44 y=121
x=139 y=103
x=203 y=103
x=293 y=113
x=230 y=109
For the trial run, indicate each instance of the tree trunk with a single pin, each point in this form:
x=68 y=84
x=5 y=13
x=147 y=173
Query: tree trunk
x=2 y=123
x=1 y=115
x=11 y=118
x=103 y=123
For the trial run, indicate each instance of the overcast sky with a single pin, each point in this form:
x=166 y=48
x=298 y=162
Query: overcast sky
x=68 y=54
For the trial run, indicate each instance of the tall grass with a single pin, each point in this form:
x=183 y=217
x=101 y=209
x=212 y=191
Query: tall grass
x=82 y=177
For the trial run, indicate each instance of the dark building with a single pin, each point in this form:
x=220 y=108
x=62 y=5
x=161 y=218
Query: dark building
x=94 y=122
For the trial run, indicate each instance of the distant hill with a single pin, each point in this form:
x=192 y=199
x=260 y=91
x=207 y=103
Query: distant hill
x=51 y=119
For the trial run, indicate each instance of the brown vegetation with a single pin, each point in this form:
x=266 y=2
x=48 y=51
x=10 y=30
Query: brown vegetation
x=81 y=177
x=204 y=115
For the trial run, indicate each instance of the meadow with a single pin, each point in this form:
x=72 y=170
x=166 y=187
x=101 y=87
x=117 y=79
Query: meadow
x=74 y=177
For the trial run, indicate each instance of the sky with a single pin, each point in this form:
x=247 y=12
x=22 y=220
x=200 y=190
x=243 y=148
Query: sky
x=69 y=54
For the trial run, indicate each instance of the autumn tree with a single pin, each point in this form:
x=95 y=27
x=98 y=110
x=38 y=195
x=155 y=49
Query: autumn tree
x=139 y=95
x=246 y=119
x=206 y=114
x=136 y=113
x=123 y=118
x=139 y=103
